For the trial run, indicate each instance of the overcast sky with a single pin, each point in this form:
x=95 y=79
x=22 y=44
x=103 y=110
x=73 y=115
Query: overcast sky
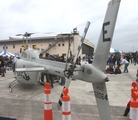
x=20 y=16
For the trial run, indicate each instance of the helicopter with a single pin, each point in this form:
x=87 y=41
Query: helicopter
x=28 y=69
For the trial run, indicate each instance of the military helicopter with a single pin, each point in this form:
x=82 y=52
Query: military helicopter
x=29 y=67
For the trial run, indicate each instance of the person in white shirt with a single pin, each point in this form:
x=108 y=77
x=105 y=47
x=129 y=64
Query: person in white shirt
x=122 y=61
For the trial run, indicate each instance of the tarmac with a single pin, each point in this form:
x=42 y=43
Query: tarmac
x=26 y=102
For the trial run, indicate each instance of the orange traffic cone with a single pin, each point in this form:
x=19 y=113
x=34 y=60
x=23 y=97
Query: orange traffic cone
x=134 y=88
x=66 y=111
x=47 y=103
x=134 y=103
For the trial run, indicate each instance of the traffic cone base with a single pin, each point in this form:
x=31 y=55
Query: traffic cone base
x=66 y=117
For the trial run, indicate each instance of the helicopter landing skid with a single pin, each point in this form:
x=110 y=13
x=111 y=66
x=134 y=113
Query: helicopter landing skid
x=12 y=85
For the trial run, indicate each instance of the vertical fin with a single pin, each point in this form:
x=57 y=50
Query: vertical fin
x=105 y=39
x=101 y=55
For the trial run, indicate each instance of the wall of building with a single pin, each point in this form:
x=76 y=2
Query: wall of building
x=60 y=48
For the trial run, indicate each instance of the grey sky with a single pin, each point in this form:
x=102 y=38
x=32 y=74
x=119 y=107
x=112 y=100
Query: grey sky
x=20 y=16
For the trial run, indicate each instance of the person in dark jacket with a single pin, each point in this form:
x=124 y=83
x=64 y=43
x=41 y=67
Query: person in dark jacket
x=2 y=66
x=49 y=77
x=63 y=79
x=127 y=109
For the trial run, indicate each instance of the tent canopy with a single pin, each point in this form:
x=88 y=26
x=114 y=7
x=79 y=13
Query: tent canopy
x=3 y=53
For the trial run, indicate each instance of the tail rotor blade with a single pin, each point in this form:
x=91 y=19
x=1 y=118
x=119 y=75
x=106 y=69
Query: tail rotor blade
x=102 y=101
x=68 y=78
x=81 y=41
x=59 y=104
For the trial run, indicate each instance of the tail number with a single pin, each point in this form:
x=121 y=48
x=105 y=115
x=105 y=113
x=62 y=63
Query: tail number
x=100 y=95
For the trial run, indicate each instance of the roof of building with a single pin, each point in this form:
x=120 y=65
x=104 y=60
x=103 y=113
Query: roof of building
x=87 y=42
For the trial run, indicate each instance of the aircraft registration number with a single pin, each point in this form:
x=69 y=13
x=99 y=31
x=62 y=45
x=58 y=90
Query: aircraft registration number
x=100 y=95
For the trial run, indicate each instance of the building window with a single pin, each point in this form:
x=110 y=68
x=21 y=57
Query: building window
x=13 y=46
x=64 y=54
x=59 y=44
x=63 y=44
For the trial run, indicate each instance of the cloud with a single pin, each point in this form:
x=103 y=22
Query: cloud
x=64 y=15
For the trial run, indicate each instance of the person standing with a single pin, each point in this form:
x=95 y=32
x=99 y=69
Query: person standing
x=111 y=64
x=49 y=77
x=122 y=61
x=63 y=79
x=2 y=66
x=89 y=59
x=114 y=61
x=111 y=61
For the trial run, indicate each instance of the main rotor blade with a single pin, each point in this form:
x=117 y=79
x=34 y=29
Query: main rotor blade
x=49 y=32
x=102 y=101
x=26 y=34
x=19 y=35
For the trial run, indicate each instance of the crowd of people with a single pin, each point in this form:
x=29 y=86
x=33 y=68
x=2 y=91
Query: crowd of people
x=116 y=61
x=49 y=77
x=5 y=62
x=53 y=78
